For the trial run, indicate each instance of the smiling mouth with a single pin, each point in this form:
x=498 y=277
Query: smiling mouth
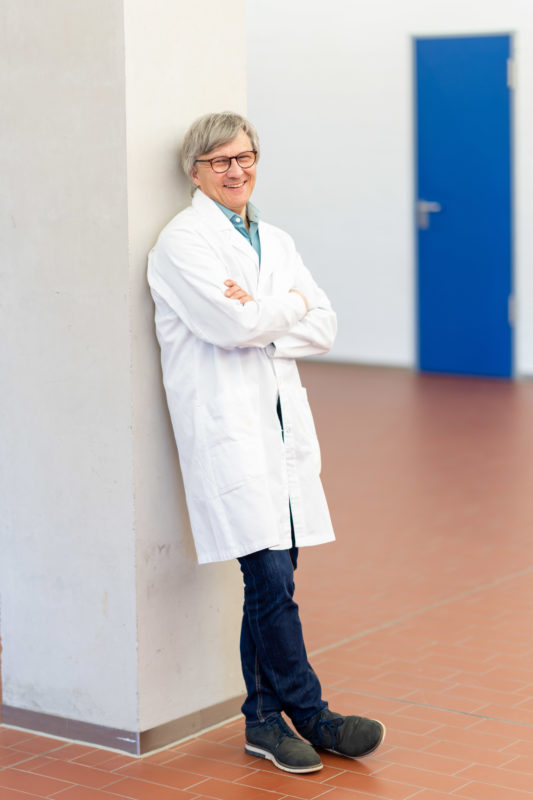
x=234 y=185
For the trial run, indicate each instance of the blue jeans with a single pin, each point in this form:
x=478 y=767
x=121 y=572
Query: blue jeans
x=276 y=671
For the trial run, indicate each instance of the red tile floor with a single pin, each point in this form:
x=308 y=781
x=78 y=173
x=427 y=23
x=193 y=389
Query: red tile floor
x=420 y=614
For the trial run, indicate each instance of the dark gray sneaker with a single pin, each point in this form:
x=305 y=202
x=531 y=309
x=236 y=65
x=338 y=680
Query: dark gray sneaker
x=273 y=739
x=352 y=736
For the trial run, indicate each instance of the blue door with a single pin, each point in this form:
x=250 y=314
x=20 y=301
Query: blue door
x=464 y=205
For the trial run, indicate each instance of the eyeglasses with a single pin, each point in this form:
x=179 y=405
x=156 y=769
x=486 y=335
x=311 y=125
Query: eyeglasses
x=223 y=163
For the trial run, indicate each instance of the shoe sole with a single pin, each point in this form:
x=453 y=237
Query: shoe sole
x=367 y=752
x=253 y=750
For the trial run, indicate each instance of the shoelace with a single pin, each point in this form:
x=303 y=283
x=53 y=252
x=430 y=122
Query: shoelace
x=331 y=726
x=276 y=721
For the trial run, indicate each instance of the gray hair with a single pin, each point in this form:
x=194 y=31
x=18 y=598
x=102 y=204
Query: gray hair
x=213 y=130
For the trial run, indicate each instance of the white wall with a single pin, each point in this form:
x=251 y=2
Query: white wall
x=106 y=617
x=178 y=66
x=330 y=88
x=67 y=579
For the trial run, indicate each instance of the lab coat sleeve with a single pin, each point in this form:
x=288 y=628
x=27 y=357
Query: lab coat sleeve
x=315 y=333
x=187 y=273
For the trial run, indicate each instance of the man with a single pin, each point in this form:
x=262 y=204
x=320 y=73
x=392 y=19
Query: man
x=234 y=307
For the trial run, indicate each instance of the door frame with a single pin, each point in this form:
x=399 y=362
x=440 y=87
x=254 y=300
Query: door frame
x=512 y=190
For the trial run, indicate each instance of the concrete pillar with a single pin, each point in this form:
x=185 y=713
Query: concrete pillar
x=111 y=633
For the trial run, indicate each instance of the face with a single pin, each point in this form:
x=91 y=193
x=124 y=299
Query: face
x=234 y=187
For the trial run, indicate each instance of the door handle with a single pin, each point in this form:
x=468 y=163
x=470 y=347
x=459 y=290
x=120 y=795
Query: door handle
x=423 y=209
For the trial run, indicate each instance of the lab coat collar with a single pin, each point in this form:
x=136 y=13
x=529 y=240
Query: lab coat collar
x=216 y=219
x=208 y=209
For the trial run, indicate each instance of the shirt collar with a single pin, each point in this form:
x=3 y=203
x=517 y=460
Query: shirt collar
x=251 y=212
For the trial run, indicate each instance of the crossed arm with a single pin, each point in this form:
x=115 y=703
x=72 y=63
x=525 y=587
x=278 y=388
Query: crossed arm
x=234 y=292
x=312 y=335
x=187 y=274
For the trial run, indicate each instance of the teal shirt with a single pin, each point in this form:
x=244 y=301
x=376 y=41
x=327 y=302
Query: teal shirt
x=251 y=235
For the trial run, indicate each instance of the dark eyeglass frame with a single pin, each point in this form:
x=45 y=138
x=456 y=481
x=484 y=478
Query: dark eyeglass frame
x=229 y=160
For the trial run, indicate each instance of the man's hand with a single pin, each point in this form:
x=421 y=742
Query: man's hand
x=234 y=292
x=304 y=298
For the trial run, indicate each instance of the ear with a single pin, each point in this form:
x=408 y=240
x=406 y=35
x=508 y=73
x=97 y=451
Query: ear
x=194 y=176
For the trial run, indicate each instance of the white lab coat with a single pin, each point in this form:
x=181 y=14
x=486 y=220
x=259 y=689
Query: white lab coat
x=222 y=377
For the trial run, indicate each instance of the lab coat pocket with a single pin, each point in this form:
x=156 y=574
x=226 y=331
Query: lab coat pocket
x=306 y=440
x=231 y=447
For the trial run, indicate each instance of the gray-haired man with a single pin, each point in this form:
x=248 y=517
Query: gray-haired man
x=235 y=306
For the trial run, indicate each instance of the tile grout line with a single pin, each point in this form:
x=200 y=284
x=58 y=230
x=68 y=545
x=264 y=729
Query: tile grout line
x=420 y=611
x=29 y=757
x=405 y=701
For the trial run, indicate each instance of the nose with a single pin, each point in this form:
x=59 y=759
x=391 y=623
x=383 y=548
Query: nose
x=234 y=169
